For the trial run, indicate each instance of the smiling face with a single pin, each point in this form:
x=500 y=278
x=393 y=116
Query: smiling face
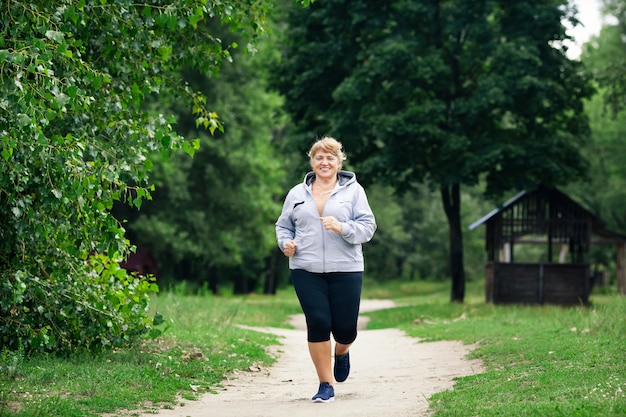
x=325 y=165
x=326 y=156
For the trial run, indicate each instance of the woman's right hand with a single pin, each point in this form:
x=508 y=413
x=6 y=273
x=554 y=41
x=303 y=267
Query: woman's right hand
x=290 y=248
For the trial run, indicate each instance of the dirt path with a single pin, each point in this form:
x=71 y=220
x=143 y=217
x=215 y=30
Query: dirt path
x=392 y=375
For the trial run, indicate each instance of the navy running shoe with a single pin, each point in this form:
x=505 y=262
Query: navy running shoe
x=342 y=367
x=325 y=394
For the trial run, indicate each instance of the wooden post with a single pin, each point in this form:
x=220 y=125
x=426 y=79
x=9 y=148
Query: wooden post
x=563 y=253
x=505 y=253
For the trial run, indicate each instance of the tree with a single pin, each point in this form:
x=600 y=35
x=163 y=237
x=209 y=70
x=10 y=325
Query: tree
x=75 y=137
x=602 y=193
x=611 y=73
x=446 y=91
x=211 y=218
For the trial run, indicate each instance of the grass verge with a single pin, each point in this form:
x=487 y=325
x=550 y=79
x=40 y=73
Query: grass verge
x=200 y=348
x=541 y=360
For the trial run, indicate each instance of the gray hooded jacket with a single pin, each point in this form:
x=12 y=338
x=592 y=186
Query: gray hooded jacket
x=321 y=250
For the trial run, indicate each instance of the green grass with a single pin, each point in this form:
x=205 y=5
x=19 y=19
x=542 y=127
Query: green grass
x=200 y=348
x=540 y=361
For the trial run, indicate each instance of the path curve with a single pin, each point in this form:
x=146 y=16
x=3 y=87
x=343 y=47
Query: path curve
x=392 y=375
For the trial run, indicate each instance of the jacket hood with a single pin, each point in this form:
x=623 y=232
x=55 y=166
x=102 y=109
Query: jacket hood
x=344 y=177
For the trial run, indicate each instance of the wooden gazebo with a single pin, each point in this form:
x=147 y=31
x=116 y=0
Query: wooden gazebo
x=547 y=216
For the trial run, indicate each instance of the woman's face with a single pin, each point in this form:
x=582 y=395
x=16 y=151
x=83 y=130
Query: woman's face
x=325 y=165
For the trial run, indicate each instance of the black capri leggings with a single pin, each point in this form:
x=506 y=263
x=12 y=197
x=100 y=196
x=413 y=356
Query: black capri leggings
x=330 y=303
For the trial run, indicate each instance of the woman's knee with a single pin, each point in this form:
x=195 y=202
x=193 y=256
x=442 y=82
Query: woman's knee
x=319 y=327
x=318 y=334
x=345 y=336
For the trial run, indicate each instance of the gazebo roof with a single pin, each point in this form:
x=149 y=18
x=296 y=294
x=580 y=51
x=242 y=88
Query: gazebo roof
x=492 y=213
x=598 y=228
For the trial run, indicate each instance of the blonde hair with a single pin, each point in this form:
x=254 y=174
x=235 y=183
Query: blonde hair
x=330 y=145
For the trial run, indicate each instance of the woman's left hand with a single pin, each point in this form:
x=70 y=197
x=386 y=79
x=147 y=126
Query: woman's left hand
x=330 y=223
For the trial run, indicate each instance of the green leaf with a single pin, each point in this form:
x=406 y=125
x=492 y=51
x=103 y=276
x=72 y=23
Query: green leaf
x=23 y=120
x=62 y=99
x=72 y=91
x=166 y=141
x=55 y=35
x=96 y=81
x=50 y=114
x=165 y=52
x=191 y=147
x=6 y=153
x=158 y=319
x=155 y=333
x=193 y=20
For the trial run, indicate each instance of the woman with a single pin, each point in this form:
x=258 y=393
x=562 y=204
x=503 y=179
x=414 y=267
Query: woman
x=321 y=228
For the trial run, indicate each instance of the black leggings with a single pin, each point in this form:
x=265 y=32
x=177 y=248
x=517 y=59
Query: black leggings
x=330 y=303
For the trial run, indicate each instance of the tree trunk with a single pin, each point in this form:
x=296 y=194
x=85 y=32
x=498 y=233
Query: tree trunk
x=451 y=197
x=270 y=274
x=214 y=280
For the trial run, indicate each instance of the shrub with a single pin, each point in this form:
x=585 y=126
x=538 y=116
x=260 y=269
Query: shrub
x=98 y=306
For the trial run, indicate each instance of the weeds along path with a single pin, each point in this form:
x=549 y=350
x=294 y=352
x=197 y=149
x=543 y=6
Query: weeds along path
x=391 y=375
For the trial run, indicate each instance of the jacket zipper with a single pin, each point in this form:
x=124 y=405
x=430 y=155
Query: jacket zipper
x=323 y=239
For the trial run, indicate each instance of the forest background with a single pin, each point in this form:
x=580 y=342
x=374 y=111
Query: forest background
x=211 y=221
x=200 y=189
